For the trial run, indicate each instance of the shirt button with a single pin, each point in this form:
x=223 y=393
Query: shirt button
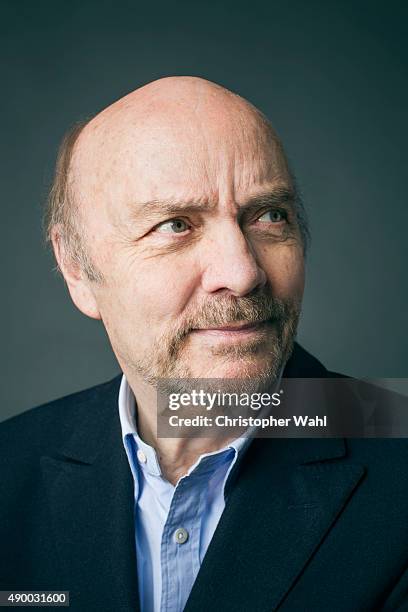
x=141 y=456
x=180 y=535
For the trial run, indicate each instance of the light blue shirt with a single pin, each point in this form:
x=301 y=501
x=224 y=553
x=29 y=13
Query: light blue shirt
x=173 y=524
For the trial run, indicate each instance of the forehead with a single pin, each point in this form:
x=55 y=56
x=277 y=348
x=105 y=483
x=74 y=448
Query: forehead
x=209 y=156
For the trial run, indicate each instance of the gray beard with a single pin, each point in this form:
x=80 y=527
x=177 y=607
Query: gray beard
x=167 y=368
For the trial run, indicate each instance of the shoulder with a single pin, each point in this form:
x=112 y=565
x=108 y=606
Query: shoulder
x=375 y=442
x=45 y=428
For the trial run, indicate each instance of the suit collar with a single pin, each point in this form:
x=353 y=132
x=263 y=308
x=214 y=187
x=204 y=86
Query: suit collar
x=89 y=490
x=302 y=364
x=90 y=421
x=287 y=496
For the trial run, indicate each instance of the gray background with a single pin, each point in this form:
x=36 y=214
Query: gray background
x=331 y=76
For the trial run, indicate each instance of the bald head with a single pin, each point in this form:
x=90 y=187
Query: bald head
x=173 y=105
x=172 y=135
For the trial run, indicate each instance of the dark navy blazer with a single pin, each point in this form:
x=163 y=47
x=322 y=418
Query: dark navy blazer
x=310 y=525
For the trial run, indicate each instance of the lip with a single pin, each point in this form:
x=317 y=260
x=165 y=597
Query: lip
x=233 y=330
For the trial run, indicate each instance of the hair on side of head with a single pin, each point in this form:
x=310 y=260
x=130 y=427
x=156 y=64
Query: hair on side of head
x=61 y=209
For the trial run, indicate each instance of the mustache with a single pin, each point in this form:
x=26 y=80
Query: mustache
x=221 y=311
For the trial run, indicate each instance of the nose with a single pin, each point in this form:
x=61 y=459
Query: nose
x=229 y=263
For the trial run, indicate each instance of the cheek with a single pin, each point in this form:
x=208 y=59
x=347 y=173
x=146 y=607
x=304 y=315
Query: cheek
x=154 y=292
x=285 y=270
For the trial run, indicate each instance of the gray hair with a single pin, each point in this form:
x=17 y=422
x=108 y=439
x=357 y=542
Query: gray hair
x=62 y=210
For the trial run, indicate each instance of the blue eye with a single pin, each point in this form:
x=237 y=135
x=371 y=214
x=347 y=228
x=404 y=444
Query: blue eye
x=174 y=226
x=272 y=216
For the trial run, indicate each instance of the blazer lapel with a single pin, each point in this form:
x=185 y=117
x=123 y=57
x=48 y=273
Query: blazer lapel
x=284 y=502
x=285 y=499
x=90 y=495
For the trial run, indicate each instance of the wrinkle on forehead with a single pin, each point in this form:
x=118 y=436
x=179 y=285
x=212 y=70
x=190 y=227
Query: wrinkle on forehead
x=200 y=127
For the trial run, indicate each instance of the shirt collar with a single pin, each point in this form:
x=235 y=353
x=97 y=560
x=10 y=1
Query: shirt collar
x=127 y=415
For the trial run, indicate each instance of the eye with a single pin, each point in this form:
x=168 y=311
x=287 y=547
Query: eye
x=272 y=216
x=173 y=226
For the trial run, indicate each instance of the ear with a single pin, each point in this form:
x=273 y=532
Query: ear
x=77 y=282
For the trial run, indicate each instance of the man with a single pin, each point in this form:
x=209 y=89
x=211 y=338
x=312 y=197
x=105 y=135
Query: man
x=175 y=220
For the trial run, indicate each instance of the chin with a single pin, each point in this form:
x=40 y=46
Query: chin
x=240 y=369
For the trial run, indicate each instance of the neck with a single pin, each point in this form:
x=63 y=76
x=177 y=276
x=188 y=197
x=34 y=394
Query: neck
x=176 y=455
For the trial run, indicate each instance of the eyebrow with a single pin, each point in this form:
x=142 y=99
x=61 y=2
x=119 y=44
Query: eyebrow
x=154 y=208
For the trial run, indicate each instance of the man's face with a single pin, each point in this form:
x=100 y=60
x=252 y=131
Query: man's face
x=193 y=227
